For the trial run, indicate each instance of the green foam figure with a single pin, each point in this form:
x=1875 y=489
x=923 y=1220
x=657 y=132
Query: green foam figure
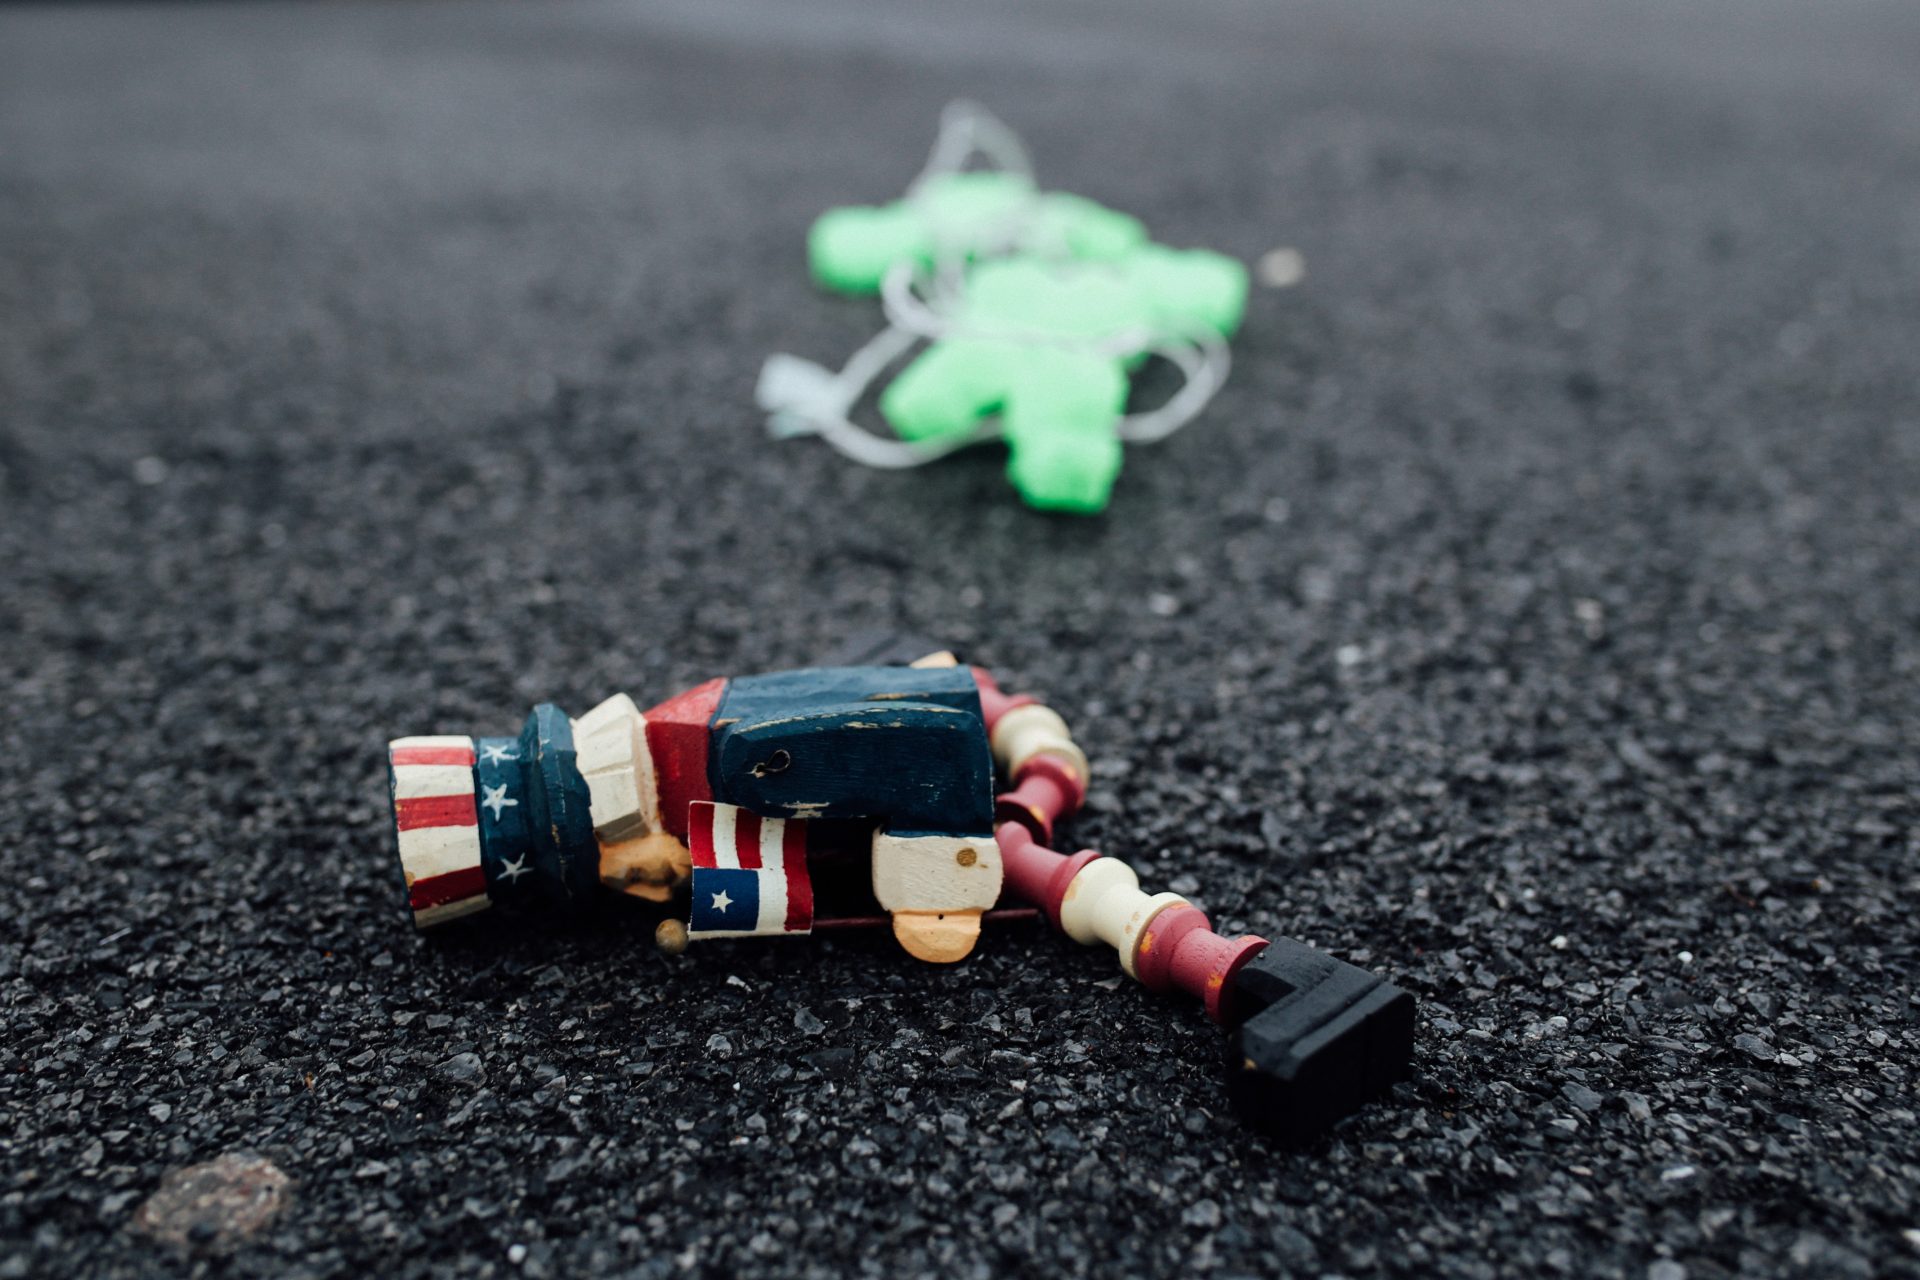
x=1061 y=299
x=1048 y=345
x=962 y=215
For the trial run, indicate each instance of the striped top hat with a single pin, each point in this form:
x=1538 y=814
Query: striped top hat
x=485 y=821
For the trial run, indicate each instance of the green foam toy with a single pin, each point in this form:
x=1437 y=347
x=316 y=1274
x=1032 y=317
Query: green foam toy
x=961 y=215
x=1042 y=304
x=1048 y=346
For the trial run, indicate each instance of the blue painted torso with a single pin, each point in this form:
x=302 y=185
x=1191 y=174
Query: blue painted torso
x=903 y=746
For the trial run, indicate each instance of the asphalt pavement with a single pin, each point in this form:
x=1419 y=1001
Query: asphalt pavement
x=1533 y=619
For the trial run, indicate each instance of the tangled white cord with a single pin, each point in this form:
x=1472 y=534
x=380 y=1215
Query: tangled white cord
x=802 y=398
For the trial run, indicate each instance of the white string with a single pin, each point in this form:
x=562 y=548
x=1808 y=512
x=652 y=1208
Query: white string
x=828 y=409
x=1204 y=361
x=968 y=129
x=803 y=399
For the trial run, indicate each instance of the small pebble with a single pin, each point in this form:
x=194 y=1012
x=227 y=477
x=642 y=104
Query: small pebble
x=1281 y=268
x=215 y=1206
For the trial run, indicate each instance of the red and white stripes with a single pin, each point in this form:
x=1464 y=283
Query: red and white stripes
x=439 y=826
x=723 y=837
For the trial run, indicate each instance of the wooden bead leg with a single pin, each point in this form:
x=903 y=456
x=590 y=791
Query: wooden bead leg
x=1162 y=940
x=1046 y=790
x=1026 y=731
x=1105 y=903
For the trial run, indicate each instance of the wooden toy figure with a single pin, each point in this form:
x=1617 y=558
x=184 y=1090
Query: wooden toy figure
x=1035 y=305
x=731 y=798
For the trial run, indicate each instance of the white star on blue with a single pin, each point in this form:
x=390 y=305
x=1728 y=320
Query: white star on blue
x=497 y=800
x=726 y=898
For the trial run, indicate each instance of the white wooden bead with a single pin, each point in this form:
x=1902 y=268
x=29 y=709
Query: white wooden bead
x=1027 y=731
x=1136 y=924
x=1106 y=904
x=610 y=745
x=1104 y=886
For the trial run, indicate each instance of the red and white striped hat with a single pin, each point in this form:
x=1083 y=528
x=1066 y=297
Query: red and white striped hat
x=439 y=826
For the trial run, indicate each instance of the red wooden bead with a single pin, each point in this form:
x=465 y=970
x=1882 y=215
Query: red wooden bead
x=1036 y=872
x=994 y=702
x=1153 y=958
x=1047 y=792
x=1180 y=949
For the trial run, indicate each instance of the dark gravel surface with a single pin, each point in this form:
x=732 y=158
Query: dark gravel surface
x=1533 y=620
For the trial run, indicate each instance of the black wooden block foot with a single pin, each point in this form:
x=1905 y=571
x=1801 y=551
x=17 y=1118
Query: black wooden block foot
x=1316 y=1039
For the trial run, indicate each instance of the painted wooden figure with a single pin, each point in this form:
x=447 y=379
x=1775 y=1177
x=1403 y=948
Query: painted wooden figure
x=729 y=791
